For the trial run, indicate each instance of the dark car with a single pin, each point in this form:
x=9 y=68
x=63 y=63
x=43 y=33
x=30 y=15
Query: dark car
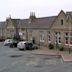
x=14 y=43
x=1 y=40
x=30 y=46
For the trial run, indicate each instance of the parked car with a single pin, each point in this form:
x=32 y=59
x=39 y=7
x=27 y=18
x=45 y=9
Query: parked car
x=26 y=45
x=29 y=45
x=1 y=39
x=14 y=43
x=21 y=45
x=7 y=42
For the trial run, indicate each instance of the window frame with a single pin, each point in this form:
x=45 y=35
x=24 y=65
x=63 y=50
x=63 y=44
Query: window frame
x=49 y=36
x=42 y=36
x=62 y=21
x=57 y=37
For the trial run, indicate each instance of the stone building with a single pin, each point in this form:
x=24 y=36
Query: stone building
x=45 y=30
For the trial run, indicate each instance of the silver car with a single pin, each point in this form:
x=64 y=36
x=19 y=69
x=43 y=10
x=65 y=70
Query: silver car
x=26 y=45
x=8 y=42
x=21 y=45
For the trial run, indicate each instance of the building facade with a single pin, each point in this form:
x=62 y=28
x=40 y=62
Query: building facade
x=46 y=30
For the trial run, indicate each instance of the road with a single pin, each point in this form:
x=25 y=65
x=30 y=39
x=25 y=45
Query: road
x=13 y=60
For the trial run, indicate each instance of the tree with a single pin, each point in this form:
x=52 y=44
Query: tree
x=16 y=37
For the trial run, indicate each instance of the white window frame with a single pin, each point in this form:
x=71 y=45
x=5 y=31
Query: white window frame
x=31 y=35
x=67 y=37
x=49 y=36
x=42 y=36
x=57 y=36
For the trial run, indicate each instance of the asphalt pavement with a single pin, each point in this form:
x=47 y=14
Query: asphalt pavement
x=13 y=60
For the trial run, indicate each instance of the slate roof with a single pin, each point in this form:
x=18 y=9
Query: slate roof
x=44 y=22
x=69 y=13
x=16 y=22
x=37 y=23
x=2 y=24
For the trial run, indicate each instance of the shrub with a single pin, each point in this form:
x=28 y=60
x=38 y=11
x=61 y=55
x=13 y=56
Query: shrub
x=16 y=37
x=61 y=48
x=51 y=46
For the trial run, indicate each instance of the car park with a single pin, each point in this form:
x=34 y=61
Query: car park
x=7 y=42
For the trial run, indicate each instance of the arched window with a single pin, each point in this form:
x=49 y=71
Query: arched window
x=61 y=21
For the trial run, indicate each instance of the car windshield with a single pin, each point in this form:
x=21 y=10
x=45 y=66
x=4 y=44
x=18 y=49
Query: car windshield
x=9 y=40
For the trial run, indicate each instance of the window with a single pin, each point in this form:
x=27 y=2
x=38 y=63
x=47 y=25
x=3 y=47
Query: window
x=66 y=34
x=24 y=36
x=48 y=32
x=61 y=21
x=71 y=38
x=49 y=37
x=42 y=36
x=23 y=33
x=71 y=41
x=55 y=33
x=57 y=37
x=66 y=40
x=30 y=35
x=71 y=35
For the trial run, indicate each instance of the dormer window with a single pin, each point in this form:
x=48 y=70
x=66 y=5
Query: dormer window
x=61 y=21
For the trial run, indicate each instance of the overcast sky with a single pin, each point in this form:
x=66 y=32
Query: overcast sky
x=42 y=8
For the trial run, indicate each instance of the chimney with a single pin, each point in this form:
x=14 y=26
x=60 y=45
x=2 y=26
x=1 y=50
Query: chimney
x=32 y=16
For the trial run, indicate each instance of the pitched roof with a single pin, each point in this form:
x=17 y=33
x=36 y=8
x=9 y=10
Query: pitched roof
x=2 y=24
x=69 y=13
x=44 y=22
x=16 y=22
